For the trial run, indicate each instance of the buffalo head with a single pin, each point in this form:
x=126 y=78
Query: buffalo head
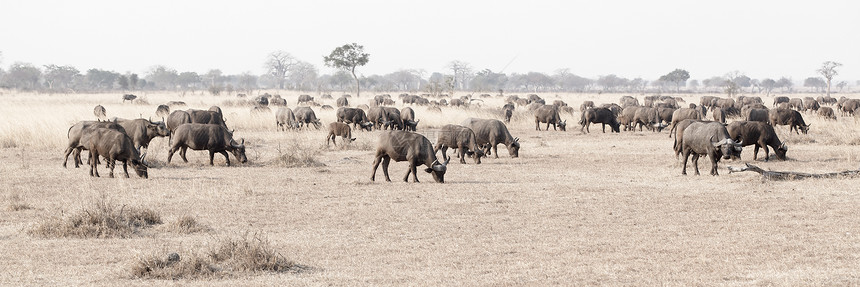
x=562 y=125
x=514 y=149
x=804 y=128
x=239 y=151
x=139 y=167
x=729 y=148
x=780 y=152
x=438 y=170
x=368 y=126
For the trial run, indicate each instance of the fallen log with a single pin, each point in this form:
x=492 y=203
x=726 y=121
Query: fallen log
x=788 y=175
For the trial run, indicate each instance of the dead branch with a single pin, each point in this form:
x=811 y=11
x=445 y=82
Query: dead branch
x=788 y=175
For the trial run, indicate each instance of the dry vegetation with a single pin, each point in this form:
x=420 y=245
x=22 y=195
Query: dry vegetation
x=574 y=209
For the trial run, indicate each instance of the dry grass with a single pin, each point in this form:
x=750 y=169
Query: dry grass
x=573 y=209
x=16 y=203
x=229 y=257
x=101 y=220
x=186 y=224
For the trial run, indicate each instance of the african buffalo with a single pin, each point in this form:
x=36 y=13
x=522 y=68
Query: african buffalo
x=461 y=138
x=490 y=132
x=342 y=102
x=707 y=138
x=214 y=138
x=791 y=118
x=759 y=134
x=354 y=116
x=142 y=131
x=407 y=116
x=342 y=130
x=162 y=111
x=826 y=113
x=599 y=115
x=77 y=131
x=100 y=112
x=549 y=115
x=305 y=116
x=683 y=114
x=758 y=115
x=410 y=147
x=114 y=146
x=285 y=119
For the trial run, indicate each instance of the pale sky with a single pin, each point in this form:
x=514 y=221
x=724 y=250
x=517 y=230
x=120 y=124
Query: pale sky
x=627 y=38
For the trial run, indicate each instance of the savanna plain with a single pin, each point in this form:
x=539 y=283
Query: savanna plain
x=573 y=209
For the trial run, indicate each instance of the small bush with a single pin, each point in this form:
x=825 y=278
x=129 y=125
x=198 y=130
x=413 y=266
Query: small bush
x=242 y=254
x=16 y=203
x=298 y=155
x=102 y=220
x=186 y=225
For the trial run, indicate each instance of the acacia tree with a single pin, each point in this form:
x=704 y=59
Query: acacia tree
x=347 y=58
x=679 y=77
x=828 y=70
x=278 y=64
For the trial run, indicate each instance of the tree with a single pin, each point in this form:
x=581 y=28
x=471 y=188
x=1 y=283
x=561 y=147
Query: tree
x=816 y=83
x=132 y=80
x=303 y=75
x=841 y=85
x=60 y=77
x=768 y=85
x=679 y=77
x=23 y=76
x=278 y=64
x=122 y=81
x=828 y=70
x=462 y=73
x=188 y=80
x=162 y=76
x=785 y=84
x=247 y=82
x=347 y=58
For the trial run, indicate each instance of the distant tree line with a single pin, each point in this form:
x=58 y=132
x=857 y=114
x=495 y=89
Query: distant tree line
x=285 y=72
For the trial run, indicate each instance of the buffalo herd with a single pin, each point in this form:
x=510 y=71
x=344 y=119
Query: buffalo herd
x=127 y=140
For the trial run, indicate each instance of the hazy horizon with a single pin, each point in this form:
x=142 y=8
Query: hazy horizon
x=762 y=39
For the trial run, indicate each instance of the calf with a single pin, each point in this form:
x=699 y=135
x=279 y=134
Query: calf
x=339 y=129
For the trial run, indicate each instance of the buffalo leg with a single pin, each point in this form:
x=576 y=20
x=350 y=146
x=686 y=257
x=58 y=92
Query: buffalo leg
x=94 y=169
x=714 y=160
x=695 y=161
x=212 y=157
x=495 y=147
x=444 y=150
x=755 y=153
x=125 y=168
x=684 y=166
x=226 y=157
x=537 y=125
x=461 y=152
x=603 y=127
x=385 y=161
x=182 y=153
x=375 y=166
x=170 y=154
x=111 y=163
x=67 y=153
x=766 y=152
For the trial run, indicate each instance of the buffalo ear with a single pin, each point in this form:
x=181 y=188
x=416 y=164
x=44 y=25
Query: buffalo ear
x=428 y=170
x=352 y=139
x=243 y=142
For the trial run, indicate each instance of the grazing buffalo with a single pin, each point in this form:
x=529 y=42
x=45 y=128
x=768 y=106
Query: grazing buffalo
x=128 y=97
x=586 y=105
x=679 y=134
x=285 y=119
x=77 y=131
x=142 y=131
x=849 y=106
x=412 y=148
x=826 y=113
x=114 y=146
x=214 y=138
x=260 y=110
x=599 y=115
x=490 y=132
x=207 y=117
x=719 y=115
x=326 y=108
x=376 y=115
x=624 y=118
x=791 y=118
x=342 y=130
x=175 y=104
x=305 y=99
x=162 y=111
x=758 y=115
x=100 y=112
x=407 y=116
x=780 y=99
x=628 y=101
x=683 y=114
x=647 y=117
x=707 y=138
x=305 y=116
x=342 y=102
x=355 y=117
x=797 y=104
x=759 y=134
x=460 y=138
x=176 y=119
x=392 y=119
x=549 y=115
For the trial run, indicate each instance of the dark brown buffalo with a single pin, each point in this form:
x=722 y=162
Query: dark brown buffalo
x=647 y=117
x=412 y=148
x=342 y=130
x=707 y=138
x=114 y=146
x=758 y=115
x=549 y=115
x=508 y=115
x=305 y=99
x=142 y=131
x=128 y=97
x=849 y=106
x=285 y=119
x=797 y=104
x=176 y=119
x=599 y=115
x=683 y=114
x=719 y=115
x=625 y=118
x=679 y=134
x=162 y=111
x=392 y=119
x=460 y=138
x=826 y=113
x=376 y=115
x=791 y=118
x=305 y=116
x=759 y=134
x=354 y=116
x=490 y=133
x=707 y=101
x=214 y=138
x=206 y=117
x=780 y=99
x=100 y=112
x=407 y=116
x=342 y=102
x=628 y=101
x=585 y=105
x=77 y=131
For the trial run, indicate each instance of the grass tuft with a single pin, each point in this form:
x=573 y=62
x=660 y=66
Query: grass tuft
x=186 y=225
x=102 y=220
x=230 y=256
x=16 y=203
x=298 y=155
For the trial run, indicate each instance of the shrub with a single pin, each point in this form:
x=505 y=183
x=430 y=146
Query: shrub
x=102 y=220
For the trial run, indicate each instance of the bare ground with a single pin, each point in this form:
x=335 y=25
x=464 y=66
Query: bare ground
x=574 y=209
